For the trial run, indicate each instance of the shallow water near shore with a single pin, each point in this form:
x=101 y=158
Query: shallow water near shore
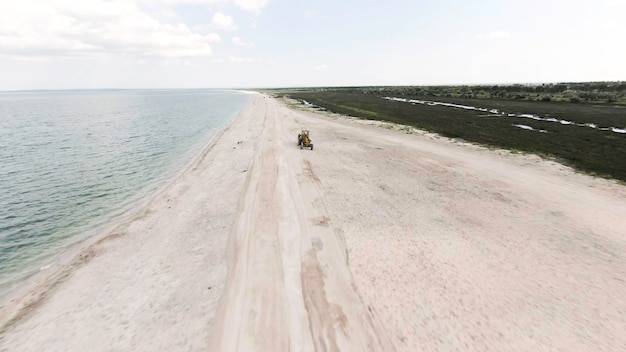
x=73 y=161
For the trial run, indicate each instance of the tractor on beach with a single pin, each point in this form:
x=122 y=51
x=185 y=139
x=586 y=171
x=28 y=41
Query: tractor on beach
x=303 y=140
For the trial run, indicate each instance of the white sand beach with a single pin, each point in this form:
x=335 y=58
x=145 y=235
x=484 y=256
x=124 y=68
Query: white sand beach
x=376 y=240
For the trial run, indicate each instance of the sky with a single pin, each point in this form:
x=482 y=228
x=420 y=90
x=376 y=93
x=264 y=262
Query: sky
x=100 y=44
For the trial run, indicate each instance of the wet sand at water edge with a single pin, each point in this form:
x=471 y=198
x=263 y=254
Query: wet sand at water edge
x=378 y=240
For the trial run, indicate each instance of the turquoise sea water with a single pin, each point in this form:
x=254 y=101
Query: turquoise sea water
x=72 y=161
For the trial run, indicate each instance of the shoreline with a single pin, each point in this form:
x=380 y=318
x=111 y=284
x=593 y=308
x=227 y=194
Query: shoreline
x=377 y=240
x=113 y=218
x=52 y=273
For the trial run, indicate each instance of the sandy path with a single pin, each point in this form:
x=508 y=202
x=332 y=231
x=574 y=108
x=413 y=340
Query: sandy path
x=289 y=287
x=376 y=240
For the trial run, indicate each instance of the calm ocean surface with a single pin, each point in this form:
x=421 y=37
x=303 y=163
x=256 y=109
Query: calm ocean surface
x=73 y=161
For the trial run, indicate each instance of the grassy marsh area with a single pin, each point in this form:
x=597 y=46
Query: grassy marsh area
x=585 y=135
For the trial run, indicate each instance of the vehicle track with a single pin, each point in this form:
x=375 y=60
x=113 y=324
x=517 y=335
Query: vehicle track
x=288 y=287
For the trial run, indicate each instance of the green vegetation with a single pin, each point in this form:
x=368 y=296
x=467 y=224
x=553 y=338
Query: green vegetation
x=595 y=151
x=593 y=92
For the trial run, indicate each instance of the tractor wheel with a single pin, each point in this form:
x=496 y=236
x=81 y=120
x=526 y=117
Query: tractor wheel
x=311 y=146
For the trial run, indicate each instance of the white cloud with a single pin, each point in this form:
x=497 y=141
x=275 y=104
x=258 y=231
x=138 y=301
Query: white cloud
x=239 y=59
x=175 y=62
x=320 y=67
x=214 y=37
x=223 y=22
x=253 y=6
x=208 y=30
x=498 y=35
x=157 y=3
x=239 y=42
x=70 y=28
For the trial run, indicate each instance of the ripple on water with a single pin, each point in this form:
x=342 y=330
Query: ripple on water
x=71 y=161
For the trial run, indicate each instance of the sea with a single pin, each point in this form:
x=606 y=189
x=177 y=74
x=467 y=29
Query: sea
x=73 y=161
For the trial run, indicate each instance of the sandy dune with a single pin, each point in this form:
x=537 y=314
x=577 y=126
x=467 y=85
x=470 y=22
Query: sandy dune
x=376 y=240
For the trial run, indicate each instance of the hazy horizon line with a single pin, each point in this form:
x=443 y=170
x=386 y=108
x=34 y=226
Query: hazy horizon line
x=307 y=86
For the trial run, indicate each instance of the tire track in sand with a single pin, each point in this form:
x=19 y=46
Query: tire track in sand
x=288 y=285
